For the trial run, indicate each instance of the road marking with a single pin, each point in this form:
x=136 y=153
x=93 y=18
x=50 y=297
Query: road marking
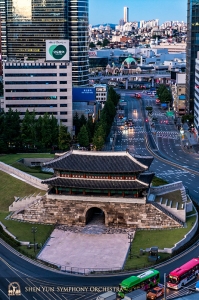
x=4 y=294
x=195 y=191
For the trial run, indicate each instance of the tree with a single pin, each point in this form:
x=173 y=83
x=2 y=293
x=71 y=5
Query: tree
x=76 y=123
x=99 y=43
x=113 y=96
x=12 y=128
x=91 y=45
x=90 y=126
x=54 y=130
x=38 y=129
x=28 y=129
x=99 y=138
x=161 y=89
x=83 y=137
x=82 y=121
x=105 y=42
x=166 y=96
x=46 y=131
x=64 y=138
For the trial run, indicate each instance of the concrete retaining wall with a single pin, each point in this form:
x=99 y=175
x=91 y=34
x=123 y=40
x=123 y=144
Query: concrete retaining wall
x=164 y=189
x=186 y=239
x=23 y=176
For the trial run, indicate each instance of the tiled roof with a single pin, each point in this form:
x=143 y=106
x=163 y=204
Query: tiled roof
x=100 y=162
x=146 y=177
x=96 y=183
x=145 y=160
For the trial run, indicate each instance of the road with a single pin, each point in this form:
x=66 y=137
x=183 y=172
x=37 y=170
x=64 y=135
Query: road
x=171 y=162
x=38 y=282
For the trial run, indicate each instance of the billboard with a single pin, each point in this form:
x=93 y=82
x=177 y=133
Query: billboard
x=84 y=94
x=57 y=50
x=92 y=53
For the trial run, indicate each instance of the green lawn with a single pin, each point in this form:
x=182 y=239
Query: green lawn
x=11 y=158
x=22 y=230
x=160 y=238
x=10 y=187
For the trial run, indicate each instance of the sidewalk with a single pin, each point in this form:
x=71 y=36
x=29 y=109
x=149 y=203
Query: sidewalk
x=190 y=142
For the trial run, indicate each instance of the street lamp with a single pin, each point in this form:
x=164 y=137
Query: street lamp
x=130 y=237
x=34 y=230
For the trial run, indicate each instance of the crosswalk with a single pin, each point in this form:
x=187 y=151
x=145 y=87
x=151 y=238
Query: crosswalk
x=157 y=114
x=168 y=134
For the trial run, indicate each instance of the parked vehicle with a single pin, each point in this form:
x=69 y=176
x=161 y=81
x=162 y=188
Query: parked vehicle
x=107 y=296
x=136 y=295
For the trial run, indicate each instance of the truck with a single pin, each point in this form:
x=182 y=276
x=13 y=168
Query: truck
x=107 y=296
x=136 y=295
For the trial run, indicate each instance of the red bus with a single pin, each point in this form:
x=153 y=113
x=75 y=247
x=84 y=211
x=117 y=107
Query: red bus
x=182 y=275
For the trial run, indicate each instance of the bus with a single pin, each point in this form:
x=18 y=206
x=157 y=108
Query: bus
x=144 y=281
x=182 y=275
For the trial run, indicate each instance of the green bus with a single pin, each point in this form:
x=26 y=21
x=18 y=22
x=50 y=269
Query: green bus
x=144 y=281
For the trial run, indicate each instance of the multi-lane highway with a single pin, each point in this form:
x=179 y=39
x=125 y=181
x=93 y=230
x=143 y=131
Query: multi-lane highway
x=163 y=141
x=38 y=282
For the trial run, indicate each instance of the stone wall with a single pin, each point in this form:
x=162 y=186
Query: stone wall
x=73 y=211
x=34 y=181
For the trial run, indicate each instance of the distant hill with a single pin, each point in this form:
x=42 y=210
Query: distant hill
x=111 y=25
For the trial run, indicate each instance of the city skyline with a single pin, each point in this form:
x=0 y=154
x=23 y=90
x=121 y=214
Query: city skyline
x=153 y=9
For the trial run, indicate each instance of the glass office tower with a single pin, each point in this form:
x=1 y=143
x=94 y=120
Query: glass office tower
x=78 y=35
x=26 y=25
x=192 y=48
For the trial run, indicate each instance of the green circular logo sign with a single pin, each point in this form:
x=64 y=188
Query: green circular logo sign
x=57 y=51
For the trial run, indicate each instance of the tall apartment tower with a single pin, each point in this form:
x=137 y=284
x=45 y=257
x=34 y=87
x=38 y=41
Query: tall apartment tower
x=126 y=14
x=192 y=48
x=26 y=25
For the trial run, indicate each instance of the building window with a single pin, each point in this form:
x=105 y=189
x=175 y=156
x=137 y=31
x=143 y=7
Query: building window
x=63 y=97
x=63 y=82
x=63 y=112
x=63 y=90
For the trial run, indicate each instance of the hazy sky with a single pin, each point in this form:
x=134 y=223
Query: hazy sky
x=111 y=11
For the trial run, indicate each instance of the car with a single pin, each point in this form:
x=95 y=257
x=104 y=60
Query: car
x=155 y=293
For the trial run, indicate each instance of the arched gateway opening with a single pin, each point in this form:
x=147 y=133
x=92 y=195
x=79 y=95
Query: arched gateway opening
x=95 y=215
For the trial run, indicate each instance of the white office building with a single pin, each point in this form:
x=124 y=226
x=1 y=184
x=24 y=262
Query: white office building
x=101 y=92
x=126 y=14
x=39 y=86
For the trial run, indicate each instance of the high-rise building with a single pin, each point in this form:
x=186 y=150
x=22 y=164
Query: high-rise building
x=40 y=86
x=26 y=25
x=126 y=14
x=196 y=97
x=192 y=48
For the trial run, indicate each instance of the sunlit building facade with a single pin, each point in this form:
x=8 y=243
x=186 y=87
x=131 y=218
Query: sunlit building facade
x=126 y=14
x=26 y=25
x=192 y=48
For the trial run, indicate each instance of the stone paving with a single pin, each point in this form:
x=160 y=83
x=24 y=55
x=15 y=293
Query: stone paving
x=93 y=247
